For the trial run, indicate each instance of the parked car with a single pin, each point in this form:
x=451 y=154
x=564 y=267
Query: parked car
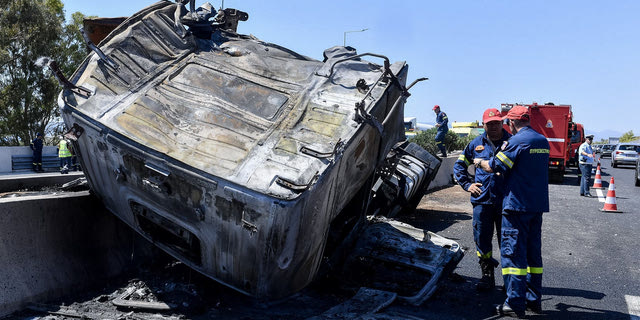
x=606 y=150
x=636 y=173
x=625 y=153
x=596 y=148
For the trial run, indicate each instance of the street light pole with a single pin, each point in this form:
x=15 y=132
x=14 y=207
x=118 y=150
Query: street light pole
x=344 y=41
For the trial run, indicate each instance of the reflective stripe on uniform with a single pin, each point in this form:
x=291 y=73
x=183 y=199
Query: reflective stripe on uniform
x=534 y=270
x=502 y=157
x=539 y=151
x=463 y=158
x=514 y=271
x=484 y=256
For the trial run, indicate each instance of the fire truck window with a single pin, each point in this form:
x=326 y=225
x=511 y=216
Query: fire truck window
x=575 y=136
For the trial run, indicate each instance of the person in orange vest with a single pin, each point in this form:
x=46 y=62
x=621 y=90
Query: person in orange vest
x=65 y=155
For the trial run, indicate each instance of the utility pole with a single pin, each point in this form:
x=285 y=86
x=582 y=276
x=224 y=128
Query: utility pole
x=344 y=41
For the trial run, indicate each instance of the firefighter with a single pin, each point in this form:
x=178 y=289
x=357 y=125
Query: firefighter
x=486 y=190
x=524 y=161
x=75 y=164
x=36 y=146
x=441 y=124
x=65 y=155
x=585 y=156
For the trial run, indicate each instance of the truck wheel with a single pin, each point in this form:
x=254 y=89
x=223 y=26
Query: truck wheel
x=557 y=177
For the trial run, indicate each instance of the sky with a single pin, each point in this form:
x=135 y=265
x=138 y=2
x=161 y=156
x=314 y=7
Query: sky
x=477 y=54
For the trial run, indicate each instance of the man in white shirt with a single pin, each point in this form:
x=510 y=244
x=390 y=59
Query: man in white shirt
x=585 y=158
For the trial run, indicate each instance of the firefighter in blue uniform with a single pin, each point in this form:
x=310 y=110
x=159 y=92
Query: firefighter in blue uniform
x=524 y=162
x=487 y=190
x=36 y=146
x=441 y=124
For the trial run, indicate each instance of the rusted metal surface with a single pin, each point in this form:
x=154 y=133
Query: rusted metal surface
x=230 y=153
x=99 y=28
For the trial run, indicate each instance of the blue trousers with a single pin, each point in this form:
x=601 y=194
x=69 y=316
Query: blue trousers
x=521 y=257
x=440 y=141
x=485 y=218
x=37 y=157
x=585 y=169
x=66 y=161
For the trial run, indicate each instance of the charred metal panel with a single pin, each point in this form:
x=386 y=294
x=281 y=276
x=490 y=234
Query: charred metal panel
x=394 y=256
x=232 y=154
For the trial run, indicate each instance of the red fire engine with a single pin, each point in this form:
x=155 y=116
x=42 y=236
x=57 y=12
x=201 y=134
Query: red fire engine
x=565 y=136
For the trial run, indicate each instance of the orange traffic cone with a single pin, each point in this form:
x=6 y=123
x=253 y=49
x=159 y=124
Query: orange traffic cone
x=597 y=182
x=610 y=202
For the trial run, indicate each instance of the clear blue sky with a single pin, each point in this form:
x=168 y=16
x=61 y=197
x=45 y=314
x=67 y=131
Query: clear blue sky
x=477 y=54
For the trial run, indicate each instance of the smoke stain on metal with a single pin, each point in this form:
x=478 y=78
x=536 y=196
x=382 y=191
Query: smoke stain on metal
x=243 y=159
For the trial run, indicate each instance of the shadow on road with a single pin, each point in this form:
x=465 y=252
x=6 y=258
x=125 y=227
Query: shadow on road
x=567 y=311
x=460 y=290
x=568 y=292
x=569 y=180
x=434 y=221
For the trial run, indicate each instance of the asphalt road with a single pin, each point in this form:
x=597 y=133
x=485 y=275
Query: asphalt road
x=591 y=258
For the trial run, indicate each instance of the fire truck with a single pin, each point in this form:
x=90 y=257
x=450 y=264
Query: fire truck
x=565 y=136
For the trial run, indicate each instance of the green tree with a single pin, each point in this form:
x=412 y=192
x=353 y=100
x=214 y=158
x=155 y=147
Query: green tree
x=627 y=136
x=427 y=140
x=30 y=29
x=72 y=45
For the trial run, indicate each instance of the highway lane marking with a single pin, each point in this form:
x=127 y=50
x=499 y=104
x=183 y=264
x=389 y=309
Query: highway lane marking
x=600 y=195
x=633 y=305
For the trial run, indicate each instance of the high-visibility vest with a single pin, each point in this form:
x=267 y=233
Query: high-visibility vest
x=63 y=150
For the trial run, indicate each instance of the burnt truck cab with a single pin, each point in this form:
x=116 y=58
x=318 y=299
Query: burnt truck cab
x=238 y=156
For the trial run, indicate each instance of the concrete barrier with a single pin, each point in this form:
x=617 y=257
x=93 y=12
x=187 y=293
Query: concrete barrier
x=7 y=152
x=52 y=246
x=444 y=177
x=14 y=182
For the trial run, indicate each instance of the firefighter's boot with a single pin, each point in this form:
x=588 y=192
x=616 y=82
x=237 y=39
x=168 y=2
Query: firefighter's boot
x=488 y=280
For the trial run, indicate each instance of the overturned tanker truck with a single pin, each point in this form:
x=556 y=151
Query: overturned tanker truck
x=250 y=163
